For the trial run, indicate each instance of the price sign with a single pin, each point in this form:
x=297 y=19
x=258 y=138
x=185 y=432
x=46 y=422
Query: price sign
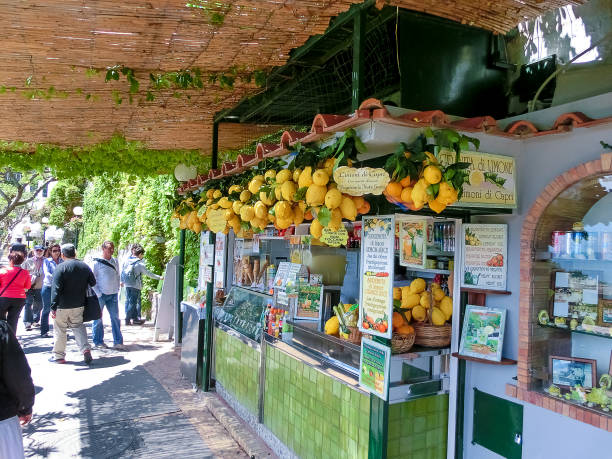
x=365 y=180
x=334 y=238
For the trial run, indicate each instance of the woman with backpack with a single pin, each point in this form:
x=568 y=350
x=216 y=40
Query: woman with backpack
x=131 y=278
x=14 y=282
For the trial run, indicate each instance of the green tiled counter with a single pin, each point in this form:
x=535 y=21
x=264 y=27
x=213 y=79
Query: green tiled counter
x=237 y=369
x=312 y=413
x=418 y=429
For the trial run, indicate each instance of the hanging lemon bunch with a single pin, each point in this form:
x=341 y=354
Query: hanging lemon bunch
x=418 y=179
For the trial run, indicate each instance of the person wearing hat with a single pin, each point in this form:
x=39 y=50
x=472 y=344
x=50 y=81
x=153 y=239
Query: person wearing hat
x=33 y=302
x=14 y=281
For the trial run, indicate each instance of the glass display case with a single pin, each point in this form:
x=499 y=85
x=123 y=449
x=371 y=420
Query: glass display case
x=242 y=311
x=571 y=332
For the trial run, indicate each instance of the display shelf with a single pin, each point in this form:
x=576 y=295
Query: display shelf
x=254 y=290
x=417 y=352
x=576 y=330
x=427 y=270
x=504 y=360
x=590 y=260
x=485 y=291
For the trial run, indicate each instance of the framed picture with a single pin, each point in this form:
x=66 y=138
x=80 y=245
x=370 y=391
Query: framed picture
x=413 y=242
x=567 y=372
x=483 y=333
x=605 y=312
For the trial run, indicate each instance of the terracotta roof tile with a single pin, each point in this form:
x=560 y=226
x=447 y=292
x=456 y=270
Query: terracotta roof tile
x=373 y=110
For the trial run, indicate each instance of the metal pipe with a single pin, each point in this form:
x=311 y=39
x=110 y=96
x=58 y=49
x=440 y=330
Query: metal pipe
x=180 y=273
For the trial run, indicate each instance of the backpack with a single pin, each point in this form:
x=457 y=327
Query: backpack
x=128 y=273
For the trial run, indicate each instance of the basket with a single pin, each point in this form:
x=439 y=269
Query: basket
x=354 y=335
x=429 y=335
x=402 y=343
x=406 y=207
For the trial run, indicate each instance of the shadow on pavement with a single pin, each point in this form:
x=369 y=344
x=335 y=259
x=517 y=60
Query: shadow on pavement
x=100 y=362
x=37 y=429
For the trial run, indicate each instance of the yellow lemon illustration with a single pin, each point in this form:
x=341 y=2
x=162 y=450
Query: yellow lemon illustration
x=476 y=178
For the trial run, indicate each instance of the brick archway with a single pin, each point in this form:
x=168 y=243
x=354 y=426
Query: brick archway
x=526 y=307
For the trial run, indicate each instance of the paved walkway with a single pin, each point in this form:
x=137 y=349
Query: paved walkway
x=116 y=408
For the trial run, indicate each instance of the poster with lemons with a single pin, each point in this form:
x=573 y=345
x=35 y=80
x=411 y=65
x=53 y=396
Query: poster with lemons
x=491 y=179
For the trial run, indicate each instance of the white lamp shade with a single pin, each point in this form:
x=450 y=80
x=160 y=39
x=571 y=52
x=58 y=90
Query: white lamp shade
x=183 y=172
x=78 y=211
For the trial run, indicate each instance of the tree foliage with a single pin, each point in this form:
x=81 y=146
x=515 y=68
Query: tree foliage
x=65 y=196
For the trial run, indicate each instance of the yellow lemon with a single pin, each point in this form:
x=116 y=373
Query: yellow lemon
x=261 y=211
x=236 y=205
x=296 y=175
x=217 y=194
x=267 y=200
x=476 y=178
x=419 y=313
x=255 y=185
x=269 y=175
x=209 y=201
x=247 y=213
x=410 y=300
x=298 y=215
x=315 y=195
x=225 y=203
x=245 y=196
x=332 y=326
x=284 y=223
x=417 y=285
x=406 y=195
x=437 y=317
x=209 y=193
x=425 y=300
x=336 y=220
x=283 y=210
x=333 y=198
x=348 y=209
x=447 y=193
x=447 y=308
x=288 y=189
x=328 y=165
x=305 y=178
x=283 y=176
x=228 y=215
x=234 y=189
x=438 y=293
x=320 y=177
x=432 y=174
x=316 y=229
x=397 y=293
x=278 y=193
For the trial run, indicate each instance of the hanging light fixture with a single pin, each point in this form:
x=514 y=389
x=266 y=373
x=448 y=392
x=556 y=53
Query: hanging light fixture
x=183 y=172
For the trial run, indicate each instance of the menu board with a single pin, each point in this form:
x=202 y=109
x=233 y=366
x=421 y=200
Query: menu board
x=576 y=294
x=413 y=242
x=374 y=368
x=491 y=179
x=485 y=249
x=376 y=293
x=309 y=302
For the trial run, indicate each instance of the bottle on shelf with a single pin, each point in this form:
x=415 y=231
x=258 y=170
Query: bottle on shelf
x=287 y=329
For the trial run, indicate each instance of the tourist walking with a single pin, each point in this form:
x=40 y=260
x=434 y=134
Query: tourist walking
x=16 y=393
x=68 y=294
x=131 y=278
x=14 y=281
x=106 y=272
x=33 y=301
x=49 y=266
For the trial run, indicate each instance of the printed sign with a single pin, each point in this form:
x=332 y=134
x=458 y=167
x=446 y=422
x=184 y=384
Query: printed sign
x=492 y=179
x=413 y=242
x=483 y=333
x=208 y=273
x=374 y=368
x=365 y=180
x=484 y=256
x=334 y=238
x=220 y=260
x=376 y=294
x=216 y=220
x=309 y=301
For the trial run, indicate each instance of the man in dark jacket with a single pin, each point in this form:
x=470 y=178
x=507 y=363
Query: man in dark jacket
x=16 y=393
x=70 y=282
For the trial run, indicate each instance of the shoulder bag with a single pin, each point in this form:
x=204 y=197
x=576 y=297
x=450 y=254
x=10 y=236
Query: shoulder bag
x=92 y=310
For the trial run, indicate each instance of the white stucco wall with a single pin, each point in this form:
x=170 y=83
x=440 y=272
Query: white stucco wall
x=539 y=160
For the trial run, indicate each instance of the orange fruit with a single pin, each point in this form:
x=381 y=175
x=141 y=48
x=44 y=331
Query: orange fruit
x=394 y=189
x=406 y=194
x=358 y=200
x=405 y=330
x=398 y=320
x=308 y=215
x=364 y=209
x=405 y=181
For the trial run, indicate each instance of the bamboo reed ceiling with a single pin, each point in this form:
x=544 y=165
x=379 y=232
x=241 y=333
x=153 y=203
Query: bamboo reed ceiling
x=55 y=42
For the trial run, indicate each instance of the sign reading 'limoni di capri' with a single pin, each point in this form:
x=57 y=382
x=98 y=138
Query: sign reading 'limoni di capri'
x=376 y=294
x=491 y=179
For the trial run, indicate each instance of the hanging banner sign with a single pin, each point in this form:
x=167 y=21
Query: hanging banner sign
x=491 y=179
x=485 y=250
x=365 y=180
x=376 y=293
x=220 y=261
x=334 y=238
x=374 y=368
